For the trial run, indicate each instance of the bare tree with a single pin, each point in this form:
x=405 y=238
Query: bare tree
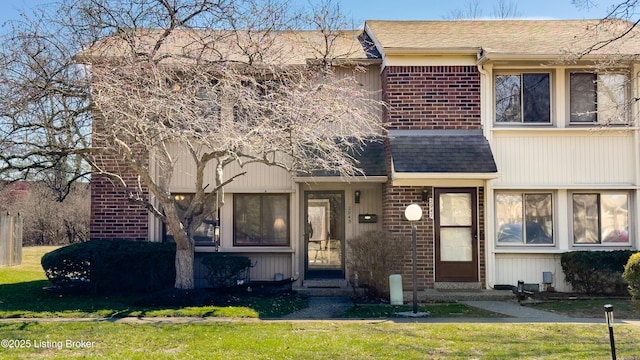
x=46 y=219
x=217 y=83
x=43 y=107
x=502 y=9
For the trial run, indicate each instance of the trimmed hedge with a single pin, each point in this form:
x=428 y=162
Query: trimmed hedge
x=227 y=271
x=107 y=266
x=596 y=272
x=632 y=275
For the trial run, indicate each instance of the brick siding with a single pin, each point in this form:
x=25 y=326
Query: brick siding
x=431 y=97
x=113 y=215
x=428 y=98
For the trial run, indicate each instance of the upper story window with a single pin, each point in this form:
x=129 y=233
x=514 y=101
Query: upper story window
x=601 y=218
x=524 y=218
x=523 y=98
x=597 y=98
x=261 y=220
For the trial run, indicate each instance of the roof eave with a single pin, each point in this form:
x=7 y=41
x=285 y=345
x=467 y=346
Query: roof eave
x=441 y=179
x=342 y=179
x=488 y=57
x=432 y=51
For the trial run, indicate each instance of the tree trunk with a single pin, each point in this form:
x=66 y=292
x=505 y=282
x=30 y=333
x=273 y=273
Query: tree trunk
x=184 y=267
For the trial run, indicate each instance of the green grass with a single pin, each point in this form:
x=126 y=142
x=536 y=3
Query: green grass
x=622 y=308
x=22 y=295
x=319 y=340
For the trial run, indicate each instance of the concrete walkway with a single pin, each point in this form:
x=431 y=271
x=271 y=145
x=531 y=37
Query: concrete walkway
x=515 y=310
x=322 y=308
x=331 y=308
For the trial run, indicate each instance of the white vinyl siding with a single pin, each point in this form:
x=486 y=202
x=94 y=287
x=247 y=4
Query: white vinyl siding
x=564 y=158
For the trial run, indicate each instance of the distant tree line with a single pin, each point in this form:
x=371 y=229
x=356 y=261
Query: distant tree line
x=47 y=221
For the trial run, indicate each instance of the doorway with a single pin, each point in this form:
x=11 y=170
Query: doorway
x=324 y=234
x=456 y=235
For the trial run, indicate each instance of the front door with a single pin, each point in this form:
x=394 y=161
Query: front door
x=324 y=234
x=456 y=235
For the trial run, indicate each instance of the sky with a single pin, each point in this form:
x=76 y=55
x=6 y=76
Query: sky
x=362 y=10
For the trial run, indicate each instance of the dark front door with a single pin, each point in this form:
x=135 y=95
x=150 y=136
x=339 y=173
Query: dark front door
x=456 y=235
x=324 y=234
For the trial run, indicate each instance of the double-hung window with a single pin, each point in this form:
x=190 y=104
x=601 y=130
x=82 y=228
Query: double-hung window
x=524 y=218
x=523 y=98
x=597 y=98
x=261 y=220
x=600 y=218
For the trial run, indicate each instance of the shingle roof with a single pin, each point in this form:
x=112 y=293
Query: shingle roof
x=541 y=37
x=370 y=159
x=445 y=151
x=276 y=47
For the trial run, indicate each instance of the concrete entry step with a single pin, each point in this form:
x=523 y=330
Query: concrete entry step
x=457 y=286
x=325 y=283
x=326 y=287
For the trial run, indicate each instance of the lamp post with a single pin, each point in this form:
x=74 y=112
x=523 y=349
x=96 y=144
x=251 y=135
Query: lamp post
x=413 y=213
x=608 y=313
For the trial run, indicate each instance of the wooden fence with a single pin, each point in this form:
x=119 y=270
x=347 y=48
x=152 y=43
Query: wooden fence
x=10 y=239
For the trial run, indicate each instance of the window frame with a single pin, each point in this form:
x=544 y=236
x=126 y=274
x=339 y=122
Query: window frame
x=598 y=120
x=629 y=219
x=522 y=122
x=523 y=220
x=211 y=221
x=263 y=242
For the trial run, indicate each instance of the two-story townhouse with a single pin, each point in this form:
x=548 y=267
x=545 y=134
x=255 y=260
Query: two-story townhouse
x=523 y=150
x=516 y=150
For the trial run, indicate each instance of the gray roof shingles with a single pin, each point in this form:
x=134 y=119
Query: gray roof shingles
x=370 y=159
x=442 y=152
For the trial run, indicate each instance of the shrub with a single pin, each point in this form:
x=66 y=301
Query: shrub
x=632 y=275
x=106 y=266
x=227 y=271
x=373 y=256
x=596 y=272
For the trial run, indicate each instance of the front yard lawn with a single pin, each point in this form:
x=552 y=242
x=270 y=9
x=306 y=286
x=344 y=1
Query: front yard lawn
x=247 y=339
x=591 y=307
x=22 y=295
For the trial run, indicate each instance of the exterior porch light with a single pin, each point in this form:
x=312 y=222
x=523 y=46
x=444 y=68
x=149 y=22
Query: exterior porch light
x=413 y=213
x=356 y=196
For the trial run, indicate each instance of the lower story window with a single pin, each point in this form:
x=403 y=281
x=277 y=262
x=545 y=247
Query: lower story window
x=524 y=219
x=205 y=233
x=600 y=218
x=261 y=219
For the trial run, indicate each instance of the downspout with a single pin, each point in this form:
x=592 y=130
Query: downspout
x=635 y=108
x=485 y=118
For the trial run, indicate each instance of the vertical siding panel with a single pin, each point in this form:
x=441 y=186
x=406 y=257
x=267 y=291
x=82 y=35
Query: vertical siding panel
x=563 y=158
x=529 y=268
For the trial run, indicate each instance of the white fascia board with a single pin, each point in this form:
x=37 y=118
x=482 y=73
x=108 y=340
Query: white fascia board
x=339 y=179
x=442 y=179
x=378 y=46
